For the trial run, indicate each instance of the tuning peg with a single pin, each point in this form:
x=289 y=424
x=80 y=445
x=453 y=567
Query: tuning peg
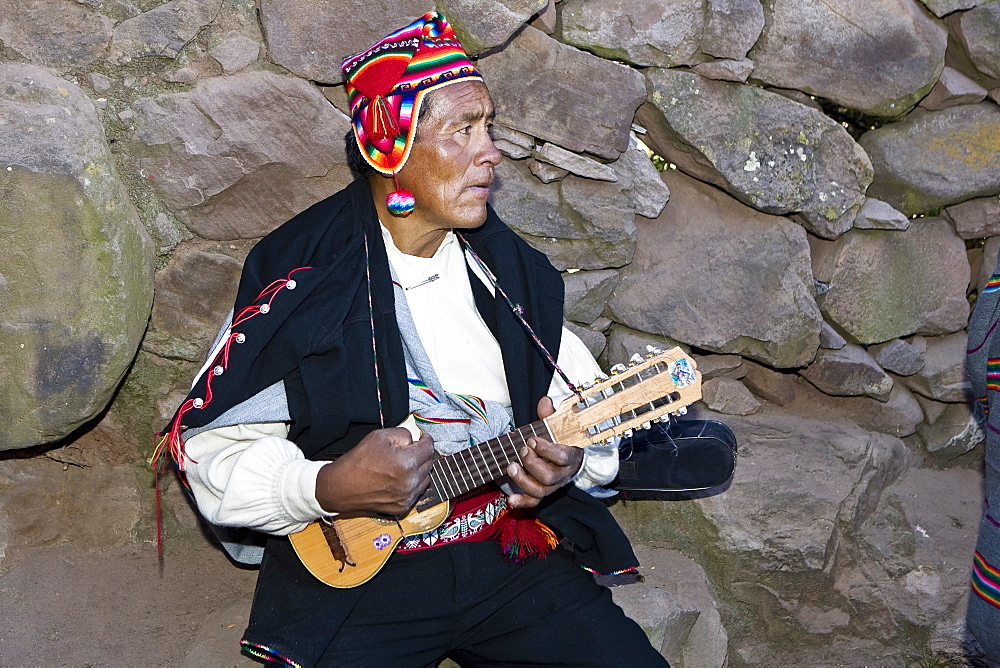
x=635 y=359
x=617 y=369
x=626 y=433
x=646 y=425
x=653 y=350
x=587 y=385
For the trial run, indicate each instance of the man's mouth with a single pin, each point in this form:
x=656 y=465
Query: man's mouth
x=483 y=185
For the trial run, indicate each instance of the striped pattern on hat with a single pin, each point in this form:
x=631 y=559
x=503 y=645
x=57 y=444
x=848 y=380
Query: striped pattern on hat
x=387 y=82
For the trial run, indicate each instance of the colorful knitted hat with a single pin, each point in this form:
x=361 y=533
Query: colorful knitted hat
x=386 y=84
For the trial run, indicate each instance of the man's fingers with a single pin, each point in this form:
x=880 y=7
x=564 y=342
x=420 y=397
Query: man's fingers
x=426 y=444
x=560 y=455
x=400 y=435
x=545 y=407
x=528 y=483
x=522 y=501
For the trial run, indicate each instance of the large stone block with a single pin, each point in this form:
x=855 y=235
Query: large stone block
x=881 y=287
x=834 y=51
x=848 y=372
x=877 y=215
x=193 y=294
x=163 y=31
x=54 y=33
x=649 y=193
x=898 y=356
x=536 y=86
x=780 y=157
x=953 y=433
x=716 y=274
x=587 y=293
x=623 y=343
x=789 y=497
x=979 y=31
x=676 y=584
x=299 y=34
x=944 y=7
x=721 y=366
x=484 y=24
x=943 y=375
x=916 y=547
x=733 y=27
x=935 y=159
x=662 y=34
x=76 y=263
x=898 y=416
x=237 y=156
x=729 y=397
x=976 y=219
x=578 y=223
x=640 y=32
x=235 y=52
x=44 y=501
x=953 y=88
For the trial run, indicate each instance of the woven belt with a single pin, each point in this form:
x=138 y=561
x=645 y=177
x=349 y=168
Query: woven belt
x=470 y=519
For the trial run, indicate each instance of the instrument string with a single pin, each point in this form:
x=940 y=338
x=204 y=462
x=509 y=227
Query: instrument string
x=457 y=481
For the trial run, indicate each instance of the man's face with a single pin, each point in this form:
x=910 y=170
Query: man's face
x=450 y=168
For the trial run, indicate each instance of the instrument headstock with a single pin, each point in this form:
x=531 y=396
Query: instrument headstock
x=646 y=390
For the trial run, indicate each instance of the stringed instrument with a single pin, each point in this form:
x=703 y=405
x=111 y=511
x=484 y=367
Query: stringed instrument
x=350 y=548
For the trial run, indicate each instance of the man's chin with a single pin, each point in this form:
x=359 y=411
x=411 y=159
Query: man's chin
x=472 y=221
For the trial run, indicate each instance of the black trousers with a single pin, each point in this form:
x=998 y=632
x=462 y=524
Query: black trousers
x=467 y=602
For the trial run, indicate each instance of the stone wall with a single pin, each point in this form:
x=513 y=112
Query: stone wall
x=825 y=211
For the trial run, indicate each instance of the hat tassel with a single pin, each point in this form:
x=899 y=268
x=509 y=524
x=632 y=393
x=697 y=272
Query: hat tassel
x=384 y=126
x=400 y=201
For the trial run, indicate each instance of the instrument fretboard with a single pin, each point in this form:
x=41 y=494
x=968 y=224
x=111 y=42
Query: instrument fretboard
x=454 y=475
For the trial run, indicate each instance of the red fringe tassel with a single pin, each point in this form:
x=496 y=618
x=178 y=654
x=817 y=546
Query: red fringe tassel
x=522 y=536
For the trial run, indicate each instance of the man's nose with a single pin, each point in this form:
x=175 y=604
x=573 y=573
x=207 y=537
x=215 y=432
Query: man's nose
x=489 y=154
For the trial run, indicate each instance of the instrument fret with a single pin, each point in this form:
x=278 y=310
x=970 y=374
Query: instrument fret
x=493 y=455
x=467 y=480
x=435 y=476
x=454 y=477
x=483 y=469
x=455 y=474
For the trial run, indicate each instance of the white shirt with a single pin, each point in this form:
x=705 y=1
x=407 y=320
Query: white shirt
x=252 y=476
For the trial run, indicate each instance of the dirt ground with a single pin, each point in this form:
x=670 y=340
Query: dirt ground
x=61 y=606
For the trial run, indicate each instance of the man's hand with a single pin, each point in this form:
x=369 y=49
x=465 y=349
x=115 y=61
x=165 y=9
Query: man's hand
x=547 y=466
x=386 y=472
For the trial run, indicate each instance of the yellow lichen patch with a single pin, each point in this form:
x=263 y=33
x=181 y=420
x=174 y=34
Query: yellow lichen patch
x=978 y=147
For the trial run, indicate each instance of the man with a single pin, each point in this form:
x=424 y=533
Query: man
x=983 y=364
x=368 y=307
